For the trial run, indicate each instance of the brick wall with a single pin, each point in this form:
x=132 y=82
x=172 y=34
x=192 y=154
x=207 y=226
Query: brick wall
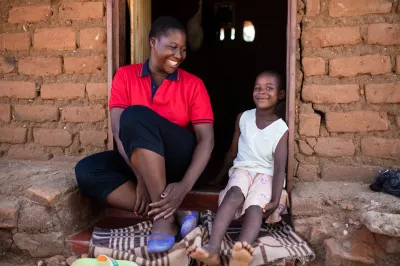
x=348 y=88
x=53 y=82
x=53 y=85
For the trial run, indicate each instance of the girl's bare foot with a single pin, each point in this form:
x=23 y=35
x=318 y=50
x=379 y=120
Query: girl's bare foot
x=242 y=254
x=205 y=254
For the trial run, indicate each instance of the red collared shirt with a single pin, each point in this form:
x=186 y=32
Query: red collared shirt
x=182 y=100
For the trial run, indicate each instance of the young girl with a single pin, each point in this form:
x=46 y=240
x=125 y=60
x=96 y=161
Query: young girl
x=258 y=155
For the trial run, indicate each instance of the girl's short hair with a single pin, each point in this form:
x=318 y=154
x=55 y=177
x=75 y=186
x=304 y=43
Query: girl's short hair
x=278 y=76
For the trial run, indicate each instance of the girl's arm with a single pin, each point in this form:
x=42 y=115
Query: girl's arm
x=280 y=158
x=231 y=155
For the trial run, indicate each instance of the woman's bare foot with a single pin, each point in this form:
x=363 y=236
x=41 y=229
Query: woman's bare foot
x=165 y=226
x=242 y=254
x=205 y=254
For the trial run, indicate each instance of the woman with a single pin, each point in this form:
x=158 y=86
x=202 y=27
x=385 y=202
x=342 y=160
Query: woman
x=162 y=122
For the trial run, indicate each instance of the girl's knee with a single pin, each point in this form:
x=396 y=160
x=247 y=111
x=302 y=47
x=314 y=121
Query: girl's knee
x=254 y=209
x=235 y=195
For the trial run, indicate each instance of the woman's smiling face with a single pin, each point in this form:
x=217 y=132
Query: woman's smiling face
x=169 y=51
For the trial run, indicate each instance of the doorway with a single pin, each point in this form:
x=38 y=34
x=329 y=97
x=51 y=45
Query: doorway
x=228 y=66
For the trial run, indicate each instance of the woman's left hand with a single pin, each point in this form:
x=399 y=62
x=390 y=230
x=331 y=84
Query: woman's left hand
x=173 y=196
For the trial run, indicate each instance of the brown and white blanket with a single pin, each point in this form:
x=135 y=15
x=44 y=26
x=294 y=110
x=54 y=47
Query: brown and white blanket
x=276 y=244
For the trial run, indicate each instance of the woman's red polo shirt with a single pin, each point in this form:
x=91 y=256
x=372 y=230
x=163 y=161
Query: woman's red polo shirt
x=182 y=100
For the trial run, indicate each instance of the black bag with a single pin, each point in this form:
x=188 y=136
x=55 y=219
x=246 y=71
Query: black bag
x=388 y=181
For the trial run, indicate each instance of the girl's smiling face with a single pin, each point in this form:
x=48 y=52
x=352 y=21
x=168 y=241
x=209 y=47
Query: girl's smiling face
x=267 y=92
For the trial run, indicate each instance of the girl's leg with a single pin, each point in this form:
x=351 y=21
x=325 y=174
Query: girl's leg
x=209 y=254
x=258 y=197
x=242 y=251
x=253 y=219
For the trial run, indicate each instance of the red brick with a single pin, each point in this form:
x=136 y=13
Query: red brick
x=15 y=41
x=336 y=254
x=398 y=64
x=347 y=8
x=82 y=11
x=65 y=91
x=5 y=112
x=313 y=66
x=84 y=65
x=13 y=135
x=55 y=39
x=303 y=230
x=18 y=89
x=327 y=94
x=309 y=124
x=52 y=137
x=93 y=113
x=307 y=172
x=28 y=154
x=30 y=14
x=7 y=64
x=304 y=205
x=360 y=173
x=36 y=113
x=353 y=66
x=313 y=7
x=381 y=148
x=305 y=148
x=48 y=194
x=40 y=66
x=398 y=121
x=324 y=37
x=93 y=38
x=384 y=34
x=383 y=93
x=9 y=214
x=93 y=138
x=388 y=244
x=356 y=121
x=318 y=234
x=312 y=142
x=97 y=91
x=334 y=147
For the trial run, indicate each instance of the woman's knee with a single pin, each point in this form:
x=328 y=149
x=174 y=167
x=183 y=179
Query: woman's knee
x=83 y=171
x=235 y=196
x=134 y=113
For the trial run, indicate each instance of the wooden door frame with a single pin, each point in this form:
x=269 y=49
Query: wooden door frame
x=117 y=56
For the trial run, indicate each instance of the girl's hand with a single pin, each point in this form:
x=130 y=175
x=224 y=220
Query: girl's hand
x=270 y=208
x=172 y=198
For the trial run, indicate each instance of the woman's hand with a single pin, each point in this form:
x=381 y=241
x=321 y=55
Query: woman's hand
x=142 y=199
x=270 y=208
x=173 y=196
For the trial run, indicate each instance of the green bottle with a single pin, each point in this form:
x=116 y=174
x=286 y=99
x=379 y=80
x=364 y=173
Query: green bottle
x=103 y=260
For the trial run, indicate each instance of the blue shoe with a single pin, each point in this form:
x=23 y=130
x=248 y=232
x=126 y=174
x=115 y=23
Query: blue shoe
x=158 y=243
x=189 y=223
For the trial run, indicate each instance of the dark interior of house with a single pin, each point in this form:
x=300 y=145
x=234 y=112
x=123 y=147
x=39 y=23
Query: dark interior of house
x=229 y=67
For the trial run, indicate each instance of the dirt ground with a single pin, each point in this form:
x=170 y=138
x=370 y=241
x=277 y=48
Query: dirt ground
x=17 y=176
